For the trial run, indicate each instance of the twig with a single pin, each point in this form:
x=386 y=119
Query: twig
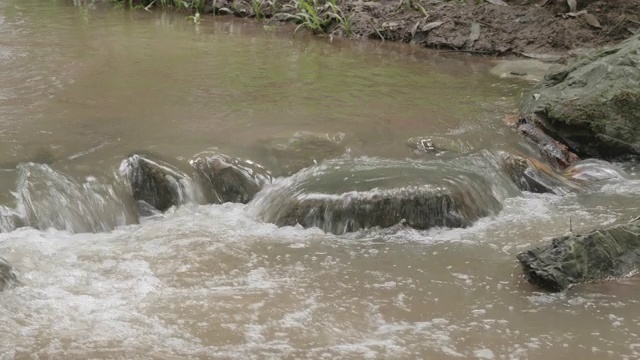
x=378 y=32
x=149 y=6
x=468 y=51
x=613 y=28
x=570 y=225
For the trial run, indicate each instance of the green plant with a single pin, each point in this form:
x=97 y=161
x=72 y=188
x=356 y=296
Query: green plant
x=318 y=18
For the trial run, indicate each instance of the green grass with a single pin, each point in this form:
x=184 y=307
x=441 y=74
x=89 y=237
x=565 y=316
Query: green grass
x=192 y=5
x=319 y=18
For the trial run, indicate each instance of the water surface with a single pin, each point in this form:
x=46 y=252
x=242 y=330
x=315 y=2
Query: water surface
x=80 y=89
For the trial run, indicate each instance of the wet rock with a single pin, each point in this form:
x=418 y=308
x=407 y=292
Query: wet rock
x=593 y=104
x=598 y=255
x=157 y=183
x=287 y=156
x=534 y=176
x=340 y=197
x=8 y=275
x=554 y=151
x=436 y=145
x=225 y=179
x=532 y=70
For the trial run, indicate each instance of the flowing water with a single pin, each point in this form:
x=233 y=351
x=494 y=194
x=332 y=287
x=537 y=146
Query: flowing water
x=82 y=88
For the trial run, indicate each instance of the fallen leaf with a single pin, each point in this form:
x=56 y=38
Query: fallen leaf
x=475 y=32
x=536 y=96
x=591 y=20
x=511 y=120
x=572 y=5
x=414 y=29
x=432 y=25
x=574 y=14
x=497 y=2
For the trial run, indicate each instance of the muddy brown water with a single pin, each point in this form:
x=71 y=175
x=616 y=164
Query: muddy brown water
x=82 y=88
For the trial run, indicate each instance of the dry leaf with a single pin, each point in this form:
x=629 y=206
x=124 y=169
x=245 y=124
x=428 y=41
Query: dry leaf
x=432 y=25
x=591 y=20
x=414 y=29
x=475 y=32
x=497 y=2
x=572 y=5
x=536 y=96
x=511 y=120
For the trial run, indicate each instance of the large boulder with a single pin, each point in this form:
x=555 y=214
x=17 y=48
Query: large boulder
x=597 y=255
x=225 y=179
x=8 y=276
x=593 y=104
x=342 y=196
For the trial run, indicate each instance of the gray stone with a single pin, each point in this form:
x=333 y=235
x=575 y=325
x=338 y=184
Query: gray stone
x=597 y=255
x=347 y=195
x=224 y=179
x=593 y=104
x=157 y=183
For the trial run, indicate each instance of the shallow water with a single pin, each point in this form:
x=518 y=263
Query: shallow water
x=80 y=89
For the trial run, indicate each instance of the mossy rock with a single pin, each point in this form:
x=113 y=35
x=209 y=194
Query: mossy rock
x=593 y=104
x=597 y=255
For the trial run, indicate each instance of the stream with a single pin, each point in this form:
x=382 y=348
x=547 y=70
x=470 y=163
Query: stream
x=84 y=87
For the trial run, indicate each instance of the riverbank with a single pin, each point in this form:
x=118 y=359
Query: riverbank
x=505 y=28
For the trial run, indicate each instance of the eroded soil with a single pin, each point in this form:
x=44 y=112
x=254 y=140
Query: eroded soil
x=529 y=27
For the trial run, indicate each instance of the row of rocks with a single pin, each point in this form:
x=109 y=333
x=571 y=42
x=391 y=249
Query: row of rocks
x=588 y=109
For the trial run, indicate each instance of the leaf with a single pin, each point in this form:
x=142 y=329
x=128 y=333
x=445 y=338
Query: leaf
x=432 y=25
x=497 y=2
x=591 y=20
x=572 y=5
x=414 y=29
x=475 y=32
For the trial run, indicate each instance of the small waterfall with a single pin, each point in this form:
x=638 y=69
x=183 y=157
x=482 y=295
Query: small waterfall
x=344 y=195
x=9 y=219
x=49 y=199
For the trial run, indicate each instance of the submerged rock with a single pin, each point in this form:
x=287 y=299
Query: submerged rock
x=527 y=69
x=436 y=145
x=345 y=196
x=534 y=176
x=157 y=183
x=606 y=253
x=593 y=104
x=8 y=275
x=290 y=155
x=225 y=179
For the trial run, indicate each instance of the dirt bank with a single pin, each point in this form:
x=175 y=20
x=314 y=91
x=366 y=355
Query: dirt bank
x=483 y=27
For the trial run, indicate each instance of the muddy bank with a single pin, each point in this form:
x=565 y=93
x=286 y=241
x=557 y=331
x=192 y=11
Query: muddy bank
x=517 y=27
